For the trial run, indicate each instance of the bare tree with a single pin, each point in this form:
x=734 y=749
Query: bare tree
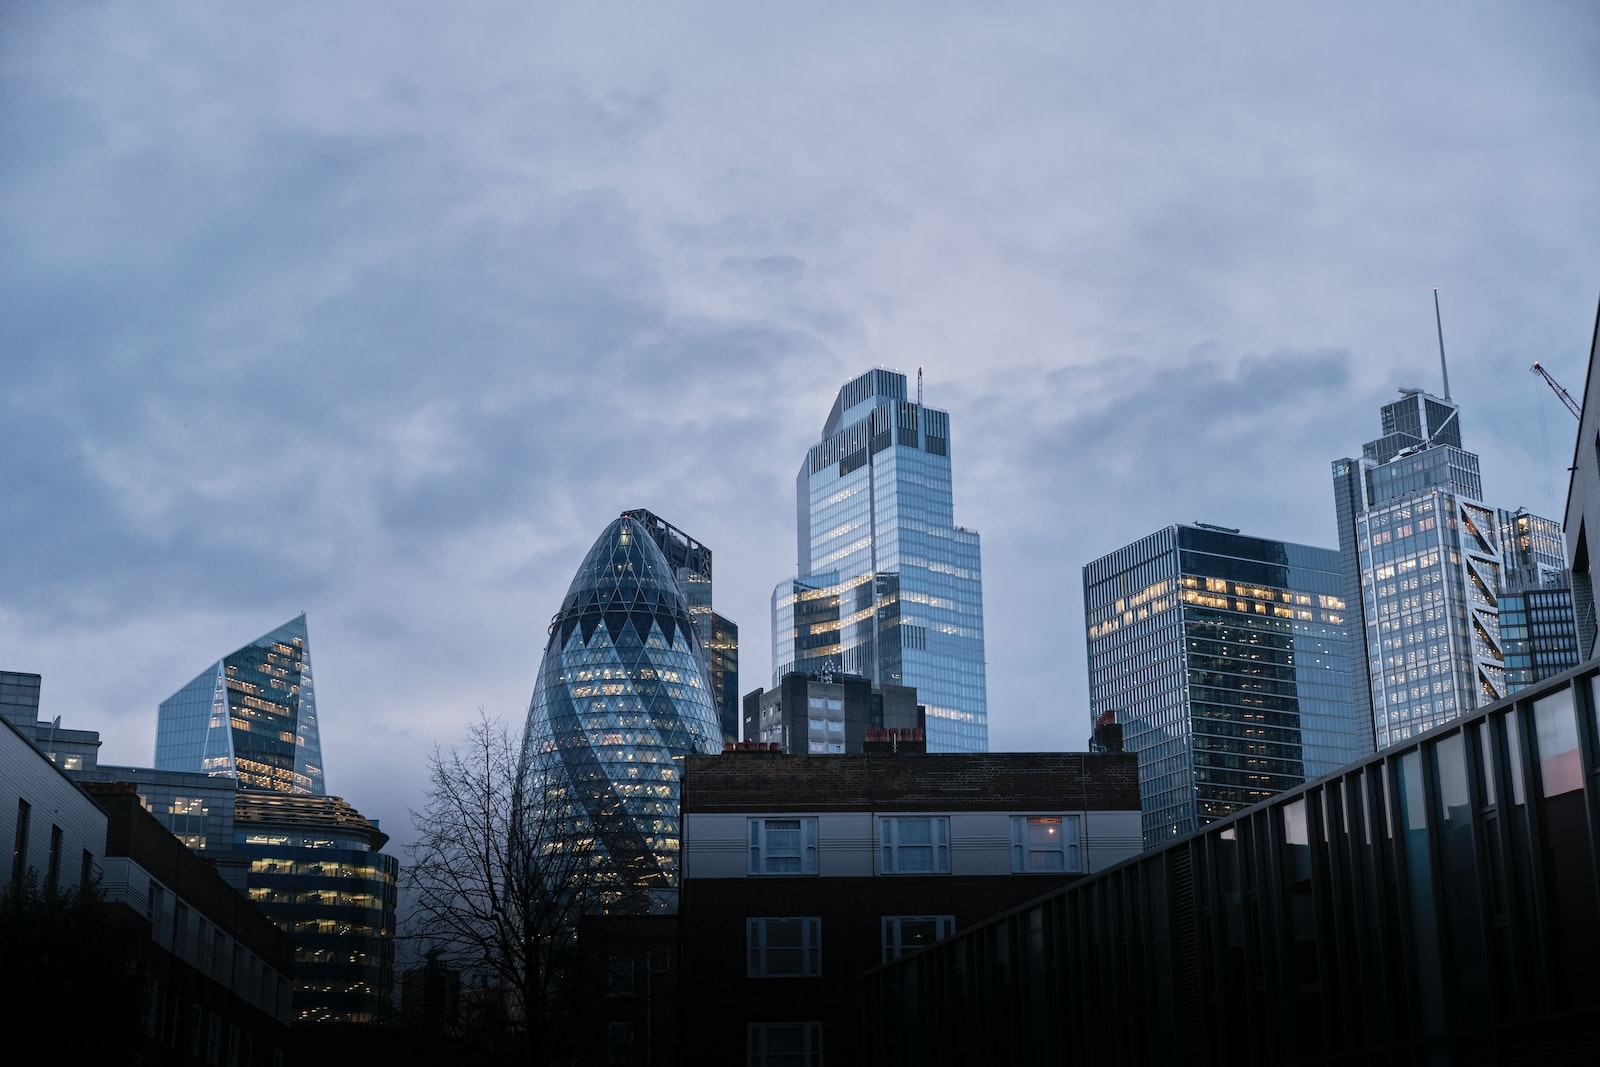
x=498 y=877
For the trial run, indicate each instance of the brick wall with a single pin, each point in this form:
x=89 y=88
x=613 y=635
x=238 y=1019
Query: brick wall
x=990 y=781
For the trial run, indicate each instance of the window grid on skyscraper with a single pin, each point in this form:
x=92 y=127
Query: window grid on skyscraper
x=889 y=587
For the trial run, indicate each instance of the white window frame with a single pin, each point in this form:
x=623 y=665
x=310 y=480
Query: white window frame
x=893 y=926
x=1028 y=858
x=894 y=851
x=810 y=1043
x=770 y=858
x=758 y=932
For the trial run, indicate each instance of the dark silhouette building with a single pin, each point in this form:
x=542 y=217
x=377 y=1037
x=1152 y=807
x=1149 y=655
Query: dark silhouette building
x=1434 y=903
x=802 y=872
x=1582 y=518
x=629 y=992
x=822 y=712
x=218 y=973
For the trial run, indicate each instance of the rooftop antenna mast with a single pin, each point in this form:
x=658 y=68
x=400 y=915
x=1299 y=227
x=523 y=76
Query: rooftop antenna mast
x=1437 y=321
x=919 y=387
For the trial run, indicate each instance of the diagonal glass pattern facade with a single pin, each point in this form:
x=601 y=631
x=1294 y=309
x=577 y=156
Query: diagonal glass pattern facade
x=251 y=716
x=622 y=693
x=889 y=587
x=719 y=636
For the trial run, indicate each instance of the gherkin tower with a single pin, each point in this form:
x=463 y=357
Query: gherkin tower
x=622 y=696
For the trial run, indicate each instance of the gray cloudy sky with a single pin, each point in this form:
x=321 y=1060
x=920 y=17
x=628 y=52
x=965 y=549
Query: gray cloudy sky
x=381 y=312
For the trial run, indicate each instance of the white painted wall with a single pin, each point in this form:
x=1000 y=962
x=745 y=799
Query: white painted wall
x=715 y=844
x=25 y=774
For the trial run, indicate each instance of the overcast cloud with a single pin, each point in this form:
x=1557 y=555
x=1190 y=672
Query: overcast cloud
x=381 y=312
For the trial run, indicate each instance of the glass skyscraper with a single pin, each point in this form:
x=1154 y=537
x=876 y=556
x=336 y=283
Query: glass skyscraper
x=1538 y=626
x=252 y=716
x=622 y=694
x=1425 y=568
x=889 y=587
x=1225 y=660
x=310 y=861
x=316 y=870
x=719 y=636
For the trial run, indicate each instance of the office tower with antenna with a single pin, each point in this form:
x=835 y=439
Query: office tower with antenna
x=1424 y=562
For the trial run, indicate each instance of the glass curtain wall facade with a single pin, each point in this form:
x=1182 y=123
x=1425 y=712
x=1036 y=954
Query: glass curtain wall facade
x=1226 y=662
x=19 y=700
x=719 y=636
x=1538 y=633
x=1426 y=564
x=316 y=871
x=252 y=716
x=889 y=586
x=622 y=693
x=1538 y=622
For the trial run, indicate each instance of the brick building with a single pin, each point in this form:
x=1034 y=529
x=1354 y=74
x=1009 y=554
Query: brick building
x=802 y=872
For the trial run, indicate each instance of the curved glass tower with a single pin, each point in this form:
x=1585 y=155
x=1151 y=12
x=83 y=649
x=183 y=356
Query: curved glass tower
x=622 y=693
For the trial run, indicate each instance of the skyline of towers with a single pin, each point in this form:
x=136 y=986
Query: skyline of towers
x=239 y=782
x=251 y=715
x=1225 y=660
x=887 y=586
x=622 y=692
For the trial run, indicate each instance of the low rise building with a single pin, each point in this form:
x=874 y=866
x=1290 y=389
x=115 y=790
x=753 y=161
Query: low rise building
x=802 y=872
x=219 y=973
x=211 y=974
x=825 y=713
x=52 y=833
x=195 y=808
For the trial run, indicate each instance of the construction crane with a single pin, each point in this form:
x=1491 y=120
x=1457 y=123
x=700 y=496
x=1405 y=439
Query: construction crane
x=1566 y=397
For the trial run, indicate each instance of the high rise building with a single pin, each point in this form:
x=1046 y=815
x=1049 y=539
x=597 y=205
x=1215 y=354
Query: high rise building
x=311 y=861
x=252 y=715
x=316 y=870
x=889 y=587
x=1424 y=569
x=719 y=636
x=1226 y=662
x=622 y=694
x=1538 y=628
